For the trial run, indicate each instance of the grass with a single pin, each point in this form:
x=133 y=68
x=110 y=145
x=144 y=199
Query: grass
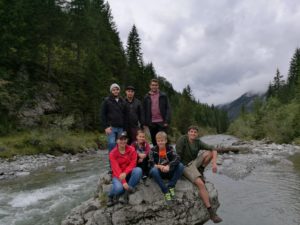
x=53 y=142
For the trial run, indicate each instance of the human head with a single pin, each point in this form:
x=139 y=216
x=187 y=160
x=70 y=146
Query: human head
x=140 y=136
x=154 y=85
x=193 y=132
x=115 y=89
x=161 y=139
x=130 y=90
x=122 y=139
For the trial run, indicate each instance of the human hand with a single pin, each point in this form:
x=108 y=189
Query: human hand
x=122 y=176
x=140 y=160
x=214 y=167
x=165 y=169
x=125 y=186
x=108 y=130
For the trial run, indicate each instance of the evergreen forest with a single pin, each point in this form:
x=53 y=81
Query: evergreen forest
x=58 y=59
x=277 y=117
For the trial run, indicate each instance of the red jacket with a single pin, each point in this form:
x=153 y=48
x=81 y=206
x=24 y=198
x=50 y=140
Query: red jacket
x=122 y=163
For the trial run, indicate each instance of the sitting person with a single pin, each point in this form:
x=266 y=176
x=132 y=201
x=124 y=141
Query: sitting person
x=142 y=148
x=165 y=163
x=191 y=150
x=124 y=171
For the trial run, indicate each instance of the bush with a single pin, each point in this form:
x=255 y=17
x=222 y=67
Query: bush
x=53 y=142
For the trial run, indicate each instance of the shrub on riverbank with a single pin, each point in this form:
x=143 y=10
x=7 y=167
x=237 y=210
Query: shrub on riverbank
x=53 y=142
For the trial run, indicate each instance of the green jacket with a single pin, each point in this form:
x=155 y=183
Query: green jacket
x=189 y=151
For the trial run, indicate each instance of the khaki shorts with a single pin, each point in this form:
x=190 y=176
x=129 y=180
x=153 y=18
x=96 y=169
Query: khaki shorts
x=191 y=171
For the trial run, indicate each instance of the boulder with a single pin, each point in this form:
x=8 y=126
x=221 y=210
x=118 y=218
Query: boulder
x=146 y=206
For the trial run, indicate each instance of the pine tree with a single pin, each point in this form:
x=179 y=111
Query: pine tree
x=294 y=74
x=135 y=61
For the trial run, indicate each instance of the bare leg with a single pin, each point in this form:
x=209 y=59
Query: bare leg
x=202 y=191
x=207 y=156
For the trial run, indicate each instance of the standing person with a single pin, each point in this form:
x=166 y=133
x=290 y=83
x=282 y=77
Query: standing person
x=165 y=163
x=190 y=148
x=142 y=148
x=134 y=114
x=124 y=171
x=113 y=115
x=157 y=110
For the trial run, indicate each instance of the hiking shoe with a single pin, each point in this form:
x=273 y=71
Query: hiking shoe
x=172 y=192
x=124 y=199
x=168 y=198
x=216 y=219
x=130 y=190
x=213 y=216
x=111 y=201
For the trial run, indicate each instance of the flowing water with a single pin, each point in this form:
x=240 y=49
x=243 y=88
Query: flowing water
x=47 y=196
x=254 y=189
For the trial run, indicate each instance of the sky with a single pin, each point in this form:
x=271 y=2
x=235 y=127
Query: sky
x=221 y=48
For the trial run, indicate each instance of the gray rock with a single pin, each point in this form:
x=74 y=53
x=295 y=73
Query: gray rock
x=60 y=169
x=146 y=206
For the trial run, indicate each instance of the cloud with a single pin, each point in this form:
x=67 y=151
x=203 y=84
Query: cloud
x=220 y=48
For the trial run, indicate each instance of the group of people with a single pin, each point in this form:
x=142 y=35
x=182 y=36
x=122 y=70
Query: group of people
x=131 y=158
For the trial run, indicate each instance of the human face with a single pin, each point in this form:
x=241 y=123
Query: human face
x=140 y=138
x=129 y=93
x=192 y=134
x=154 y=87
x=161 y=142
x=115 y=92
x=122 y=142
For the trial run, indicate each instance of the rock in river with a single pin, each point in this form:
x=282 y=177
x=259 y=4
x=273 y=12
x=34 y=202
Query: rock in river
x=146 y=206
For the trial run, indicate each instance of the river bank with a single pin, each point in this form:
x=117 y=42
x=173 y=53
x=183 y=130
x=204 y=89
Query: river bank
x=257 y=186
x=19 y=166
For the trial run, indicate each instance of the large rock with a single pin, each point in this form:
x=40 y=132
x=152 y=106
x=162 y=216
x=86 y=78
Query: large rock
x=146 y=206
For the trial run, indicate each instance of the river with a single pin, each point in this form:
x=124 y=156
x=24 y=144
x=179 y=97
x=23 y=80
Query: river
x=254 y=188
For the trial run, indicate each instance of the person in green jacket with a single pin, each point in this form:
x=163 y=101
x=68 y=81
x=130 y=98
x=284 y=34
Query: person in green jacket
x=196 y=155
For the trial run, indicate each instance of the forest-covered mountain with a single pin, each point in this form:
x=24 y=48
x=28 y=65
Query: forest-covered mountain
x=58 y=59
x=278 y=117
x=243 y=103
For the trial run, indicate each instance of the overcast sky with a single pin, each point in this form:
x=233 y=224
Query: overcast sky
x=221 y=48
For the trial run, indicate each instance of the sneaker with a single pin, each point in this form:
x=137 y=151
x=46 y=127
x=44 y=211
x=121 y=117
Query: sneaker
x=111 y=201
x=131 y=190
x=172 y=192
x=216 y=219
x=168 y=198
x=213 y=216
x=124 y=199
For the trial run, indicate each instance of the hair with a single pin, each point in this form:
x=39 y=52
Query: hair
x=140 y=131
x=161 y=134
x=193 y=127
x=153 y=80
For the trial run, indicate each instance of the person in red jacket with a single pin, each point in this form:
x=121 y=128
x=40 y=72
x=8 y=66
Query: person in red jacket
x=125 y=174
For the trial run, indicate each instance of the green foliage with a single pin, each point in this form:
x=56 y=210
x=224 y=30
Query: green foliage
x=69 y=52
x=54 y=142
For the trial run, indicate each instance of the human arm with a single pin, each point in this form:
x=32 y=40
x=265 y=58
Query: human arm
x=116 y=170
x=133 y=158
x=104 y=112
x=214 y=161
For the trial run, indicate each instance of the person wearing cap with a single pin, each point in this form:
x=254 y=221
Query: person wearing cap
x=196 y=155
x=157 y=110
x=113 y=115
x=125 y=174
x=134 y=114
